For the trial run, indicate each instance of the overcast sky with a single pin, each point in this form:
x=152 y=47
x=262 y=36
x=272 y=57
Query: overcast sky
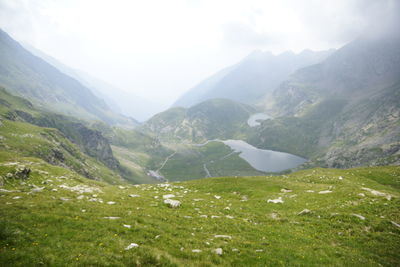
x=159 y=49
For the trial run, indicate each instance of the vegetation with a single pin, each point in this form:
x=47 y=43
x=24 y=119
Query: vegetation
x=67 y=222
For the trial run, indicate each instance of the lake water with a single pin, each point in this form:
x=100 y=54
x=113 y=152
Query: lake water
x=264 y=160
x=253 y=119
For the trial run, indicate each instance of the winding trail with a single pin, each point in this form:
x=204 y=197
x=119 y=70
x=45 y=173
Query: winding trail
x=165 y=161
x=206 y=170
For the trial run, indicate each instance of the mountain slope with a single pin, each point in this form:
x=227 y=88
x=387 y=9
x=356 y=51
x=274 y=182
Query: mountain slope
x=211 y=119
x=119 y=101
x=347 y=107
x=52 y=219
x=248 y=80
x=31 y=77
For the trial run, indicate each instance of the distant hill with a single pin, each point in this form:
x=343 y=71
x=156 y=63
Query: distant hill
x=250 y=79
x=31 y=77
x=211 y=119
x=126 y=103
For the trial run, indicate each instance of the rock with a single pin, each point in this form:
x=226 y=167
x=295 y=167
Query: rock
x=127 y=226
x=37 y=189
x=235 y=250
x=340 y=178
x=285 y=190
x=303 y=212
x=310 y=191
x=17 y=197
x=5 y=190
x=218 y=251
x=203 y=216
x=131 y=245
x=168 y=196
x=325 y=192
x=111 y=202
x=377 y=193
x=217 y=197
x=215 y=216
x=223 y=236
x=64 y=199
x=196 y=250
x=133 y=195
x=361 y=194
x=358 y=216
x=172 y=203
x=229 y=217
x=121 y=187
x=395 y=224
x=275 y=201
x=22 y=173
x=80 y=197
x=112 y=218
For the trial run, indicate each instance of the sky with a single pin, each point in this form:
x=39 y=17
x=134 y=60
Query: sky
x=159 y=49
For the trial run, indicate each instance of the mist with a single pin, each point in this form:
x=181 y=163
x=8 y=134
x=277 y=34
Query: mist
x=157 y=50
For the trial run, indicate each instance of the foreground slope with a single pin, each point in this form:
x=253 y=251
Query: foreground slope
x=328 y=217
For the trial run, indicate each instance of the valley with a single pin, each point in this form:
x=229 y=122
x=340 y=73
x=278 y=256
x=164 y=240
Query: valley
x=279 y=159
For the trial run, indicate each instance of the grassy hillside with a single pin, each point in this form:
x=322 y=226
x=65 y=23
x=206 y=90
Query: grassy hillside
x=58 y=218
x=215 y=118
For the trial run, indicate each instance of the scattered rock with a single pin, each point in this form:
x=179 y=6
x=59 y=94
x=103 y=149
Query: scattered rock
x=168 y=196
x=196 y=250
x=235 y=250
x=223 y=236
x=64 y=199
x=133 y=195
x=275 y=201
x=325 y=192
x=285 y=190
x=37 y=189
x=310 y=191
x=111 y=202
x=5 y=190
x=127 y=226
x=203 y=216
x=377 y=193
x=218 y=251
x=358 y=216
x=112 y=218
x=395 y=224
x=361 y=194
x=217 y=197
x=17 y=197
x=215 y=216
x=340 y=178
x=80 y=197
x=22 y=173
x=229 y=217
x=131 y=245
x=303 y=212
x=172 y=203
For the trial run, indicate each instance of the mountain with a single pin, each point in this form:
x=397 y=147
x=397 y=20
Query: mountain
x=126 y=103
x=344 y=111
x=33 y=78
x=211 y=119
x=248 y=80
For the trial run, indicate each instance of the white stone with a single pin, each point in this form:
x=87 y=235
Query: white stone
x=218 y=251
x=223 y=236
x=358 y=216
x=127 y=226
x=168 y=196
x=112 y=218
x=196 y=250
x=325 y=192
x=303 y=212
x=275 y=201
x=17 y=197
x=217 y=197
x=131 y=245
x=172 y=203
x=284 y=190
x=110 y=202
x=80 y=197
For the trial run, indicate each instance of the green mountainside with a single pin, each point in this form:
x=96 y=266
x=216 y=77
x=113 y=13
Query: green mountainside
x=343 y=112
x=212 y=119
x=321 y=217
x=31 y=77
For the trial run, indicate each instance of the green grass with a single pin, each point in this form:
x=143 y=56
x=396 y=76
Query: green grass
x=188 y=162
x=41 y=229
